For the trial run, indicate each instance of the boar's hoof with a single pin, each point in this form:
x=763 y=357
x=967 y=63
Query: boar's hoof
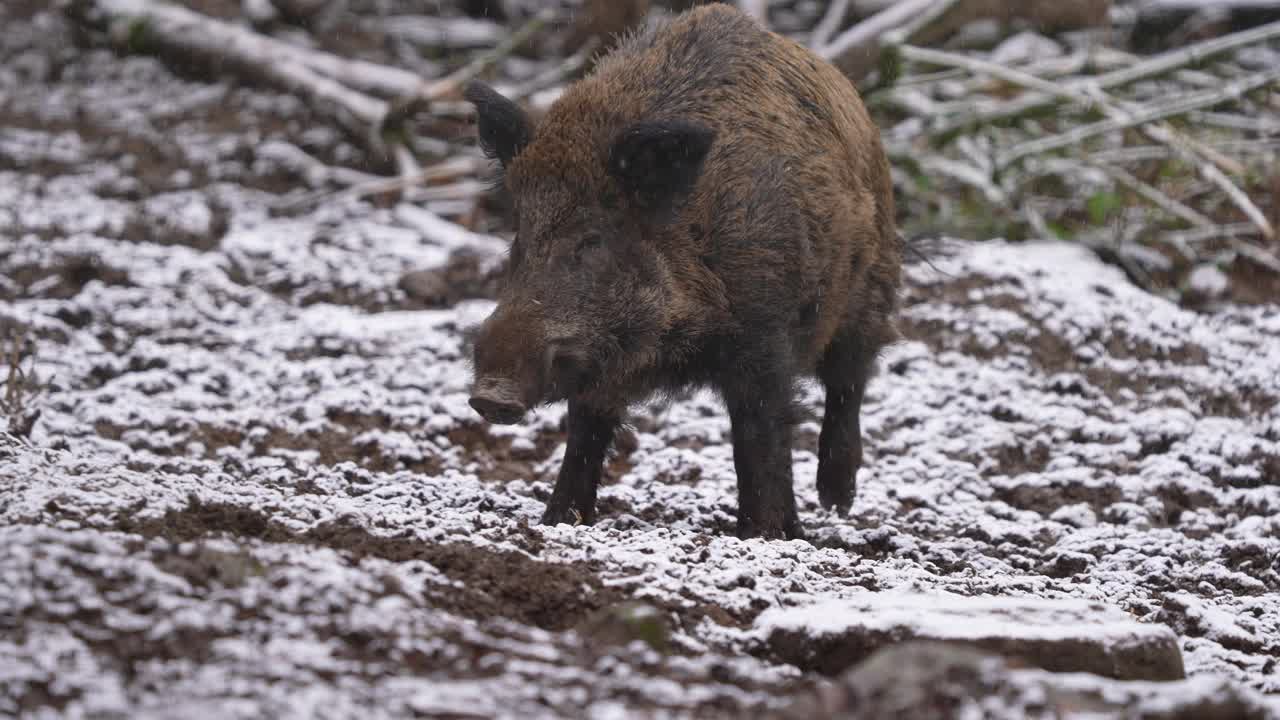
x=839 y=499
x=498 y=401
x=565 y=516
x=786 y=530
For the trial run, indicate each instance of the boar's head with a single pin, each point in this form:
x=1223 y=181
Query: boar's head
x=590 y=288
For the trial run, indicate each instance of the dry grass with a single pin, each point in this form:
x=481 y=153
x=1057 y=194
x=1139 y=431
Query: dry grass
x=23 y=387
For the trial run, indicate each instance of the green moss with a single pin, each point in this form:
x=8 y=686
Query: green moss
x=137 y=36
x=1101 y=205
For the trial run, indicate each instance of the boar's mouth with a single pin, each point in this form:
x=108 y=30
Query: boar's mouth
x=566 y=369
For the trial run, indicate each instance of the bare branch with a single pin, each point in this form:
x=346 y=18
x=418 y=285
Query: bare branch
x=1157 y=198
x=857 y=51
x=419 y=98
x=176 y=32
x=1179 y=106
x=837 y=11
x=1155 y=66
x=451 y=169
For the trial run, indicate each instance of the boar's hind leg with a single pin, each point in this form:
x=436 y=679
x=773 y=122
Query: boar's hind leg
x=760 y=413
x=846 y=367
x=574 y=498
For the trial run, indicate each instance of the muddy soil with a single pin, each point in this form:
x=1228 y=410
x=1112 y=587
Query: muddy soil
x=254 y=486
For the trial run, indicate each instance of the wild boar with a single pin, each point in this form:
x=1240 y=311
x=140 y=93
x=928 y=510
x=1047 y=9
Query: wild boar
x=711 y=206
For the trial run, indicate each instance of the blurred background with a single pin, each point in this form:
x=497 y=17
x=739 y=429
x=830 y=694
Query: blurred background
x=1147 y=130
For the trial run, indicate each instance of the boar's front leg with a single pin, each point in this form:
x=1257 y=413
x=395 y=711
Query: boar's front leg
x=760 y=412
x=574 y=499
x=845 y=369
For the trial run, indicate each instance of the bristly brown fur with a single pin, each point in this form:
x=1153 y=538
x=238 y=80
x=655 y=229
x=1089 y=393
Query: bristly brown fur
x=711 y=205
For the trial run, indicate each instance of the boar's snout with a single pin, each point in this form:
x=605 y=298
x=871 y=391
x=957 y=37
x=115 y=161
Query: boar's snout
x=498 y=401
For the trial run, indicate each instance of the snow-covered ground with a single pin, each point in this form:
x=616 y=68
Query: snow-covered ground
x=256 y=489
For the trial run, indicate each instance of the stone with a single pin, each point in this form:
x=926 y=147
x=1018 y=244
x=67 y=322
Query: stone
x=1056 y=635
x=944 y=681
x=1025 y=47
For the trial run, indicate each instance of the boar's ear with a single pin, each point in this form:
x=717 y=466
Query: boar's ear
x=658 y=163
x=504 y=128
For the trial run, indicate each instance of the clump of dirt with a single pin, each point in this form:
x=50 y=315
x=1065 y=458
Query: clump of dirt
x=487 y=582
x=201 y=519
x=498 y=459
x=1047 y=497
x=205 y=566
x=63 y=280
x=336 y=443
x=465 y=276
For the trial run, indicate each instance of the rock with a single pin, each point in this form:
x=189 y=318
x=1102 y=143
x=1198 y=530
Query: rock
x=1078 y=515
x=942 y=681
x=429 y=287
x=1057 y=635
x=467 y=275
x=1025 y=47
x=624 y=623
x=1207 y=282
x=1067 y=564
x=180 y=218
x=259 y=12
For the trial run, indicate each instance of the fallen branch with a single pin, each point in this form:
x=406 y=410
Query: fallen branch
x=449 y=235
x=451 y=169
x=1120 y=118
x=1215 y=232
x=173 y=29
x=1194 y=54
x=1153 y=67
x=316 y=173
x=837 y=11
x=1180 y=106
x=461 y=33
x=858 y=50
x=566 y=69
x=419 y=98
x=1259 y=255
x=928 y=19
x=1156 y=197
x=194 y=39
x=1142 y=153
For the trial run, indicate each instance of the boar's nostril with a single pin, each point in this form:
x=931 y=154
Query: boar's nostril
x=498 y=401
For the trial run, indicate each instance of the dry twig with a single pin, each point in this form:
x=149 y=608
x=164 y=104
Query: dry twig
x=837 y=11
x=1150 y=68
x=420 y=97
x=1120 y=118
